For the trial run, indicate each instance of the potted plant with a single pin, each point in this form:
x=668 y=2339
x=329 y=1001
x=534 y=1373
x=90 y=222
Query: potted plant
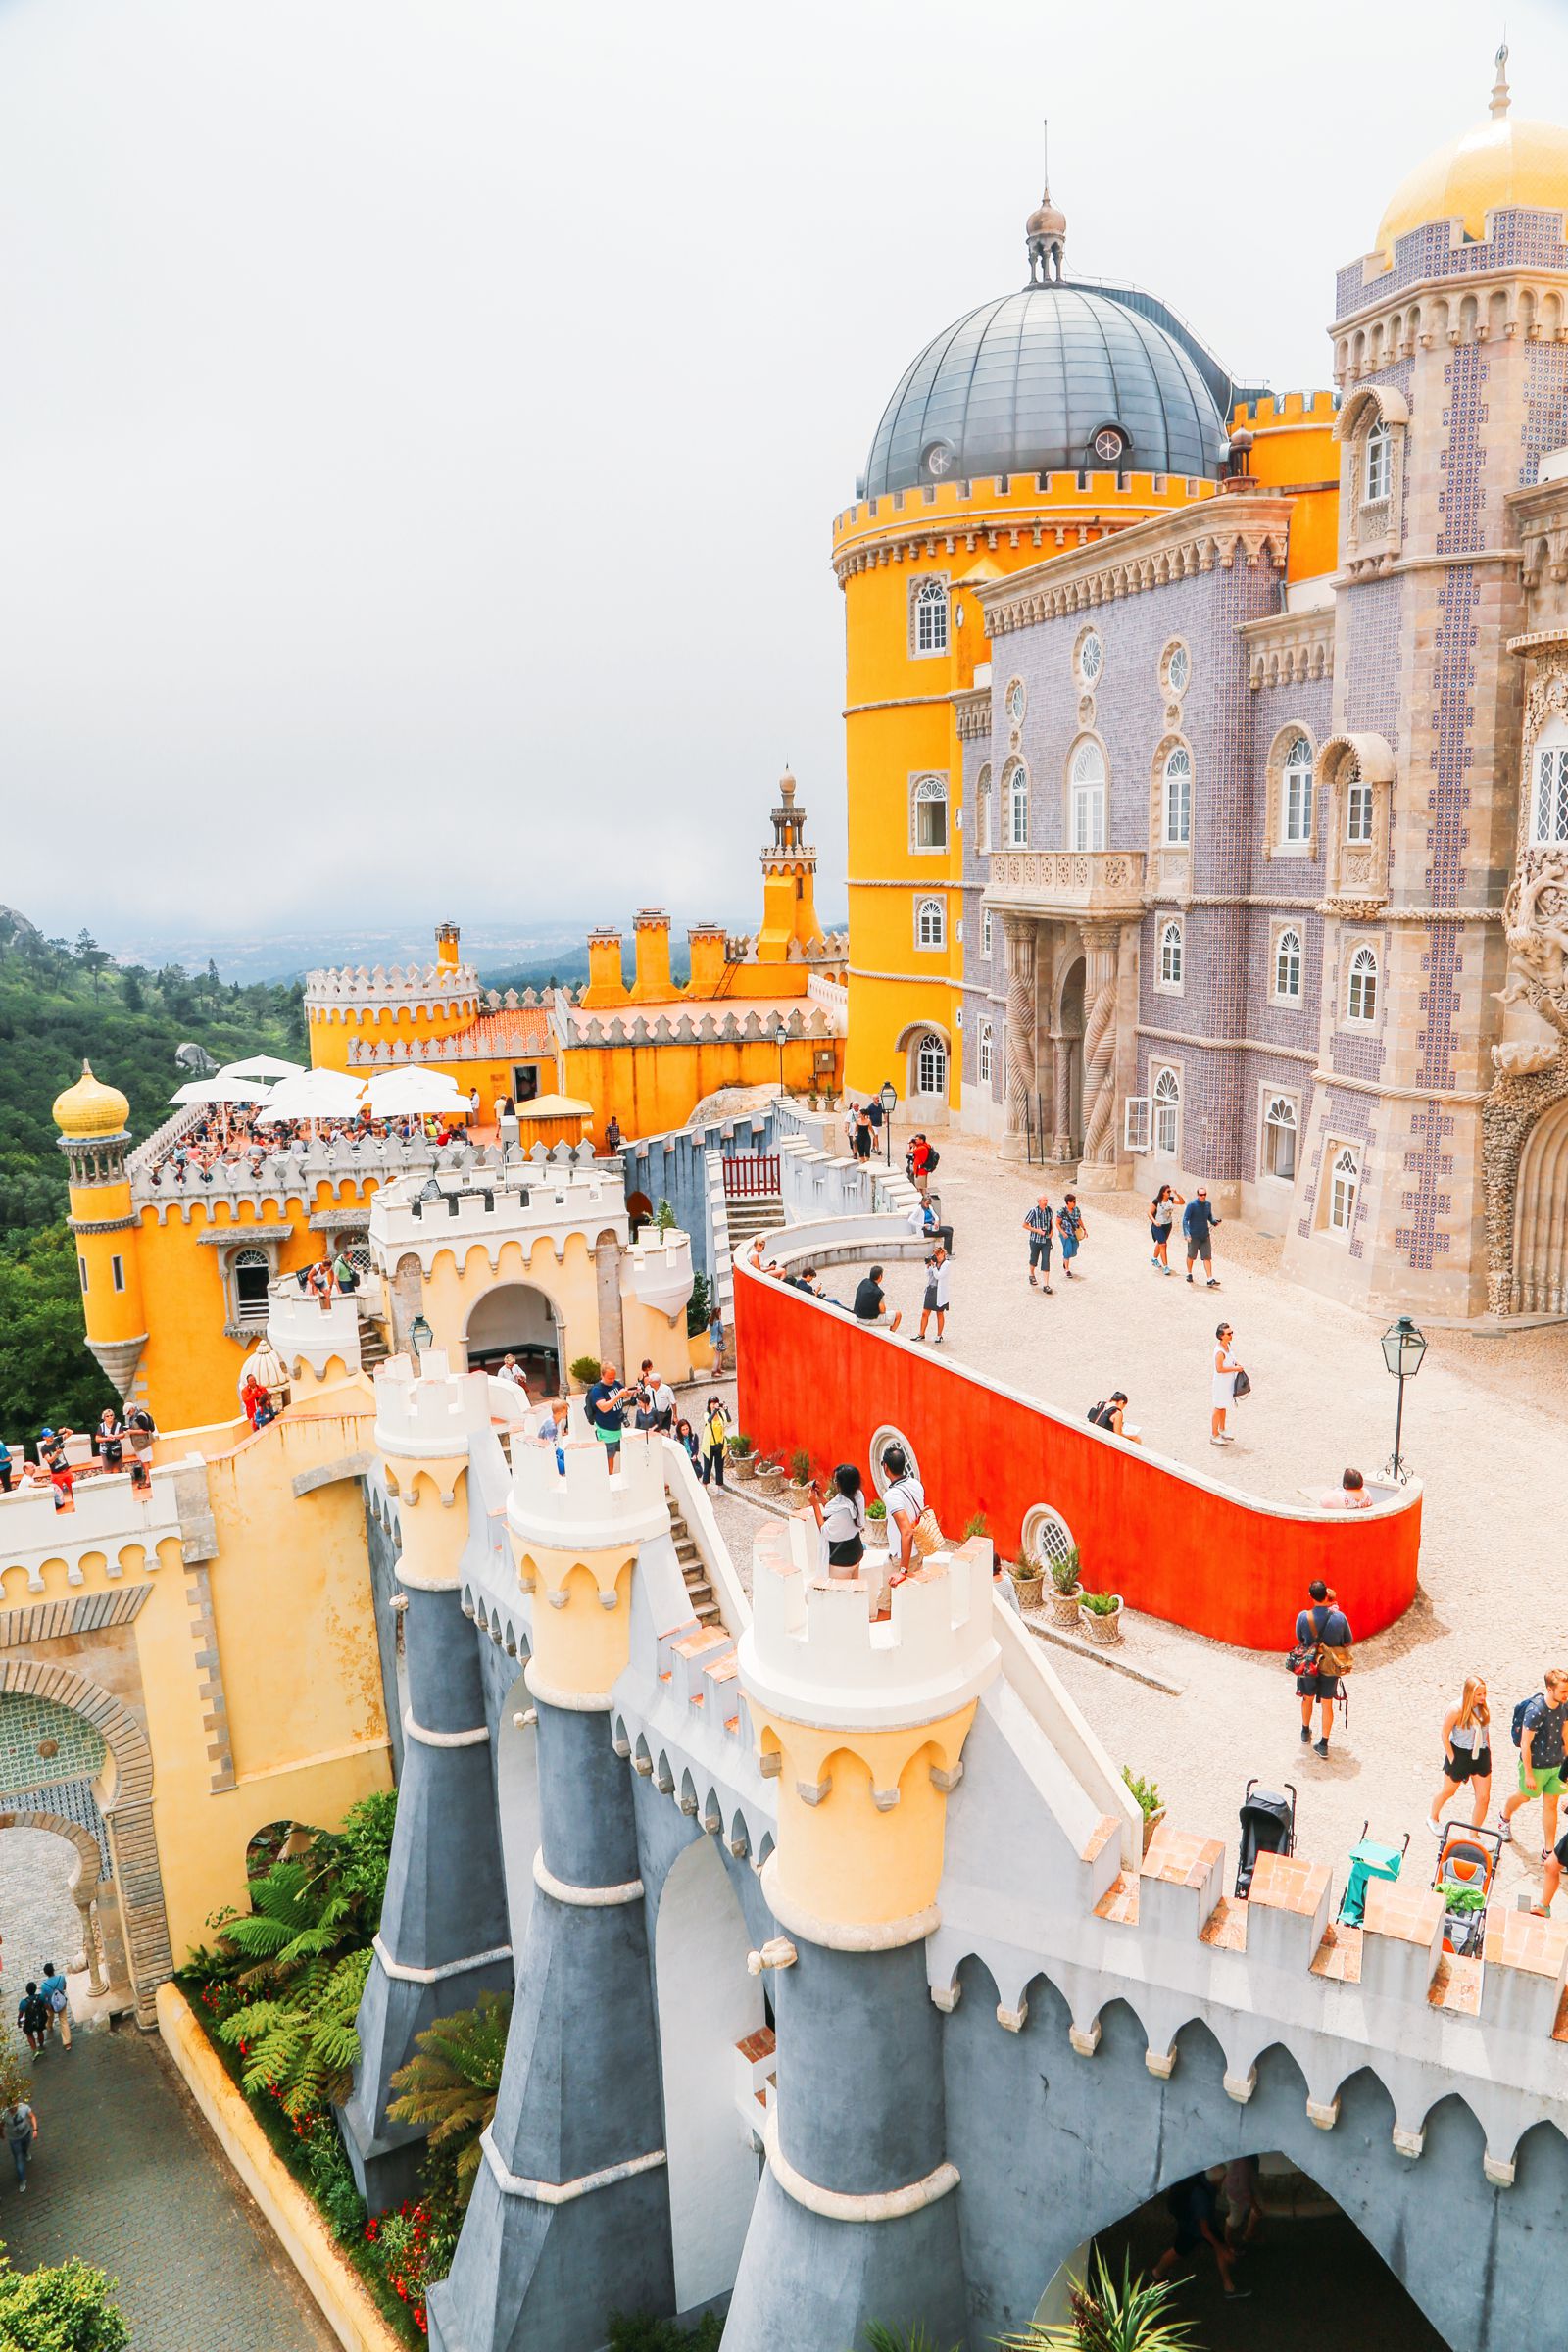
x=1150 y=1803
x=1099 y=1615
x=877 y=1519
x=742 y=1460
x=1028 y=1580
x=584 y=1370
x=800 y=1475
x=1066 y=1590
x=768 y=1477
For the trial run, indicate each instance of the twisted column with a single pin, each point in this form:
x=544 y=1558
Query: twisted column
x=1062 y=1095
x=1100 y=942
x=1020 y=1022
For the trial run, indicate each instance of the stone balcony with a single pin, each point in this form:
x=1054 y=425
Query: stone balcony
x=1073 y=883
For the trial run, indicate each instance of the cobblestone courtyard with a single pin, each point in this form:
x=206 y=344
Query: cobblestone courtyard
x=1486 y=1428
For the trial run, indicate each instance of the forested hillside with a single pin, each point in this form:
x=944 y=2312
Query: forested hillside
x=59 y=1004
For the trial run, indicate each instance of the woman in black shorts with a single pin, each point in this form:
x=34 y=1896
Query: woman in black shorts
x=1466 y=1753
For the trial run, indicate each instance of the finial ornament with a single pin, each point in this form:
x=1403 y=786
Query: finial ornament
x=1500 y=88
x=1045 y=229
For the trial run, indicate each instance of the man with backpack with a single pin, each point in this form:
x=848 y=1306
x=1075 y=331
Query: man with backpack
x=1538 y=1735
x=53 y=1990
x=1319 y=1660
x=32 y=2016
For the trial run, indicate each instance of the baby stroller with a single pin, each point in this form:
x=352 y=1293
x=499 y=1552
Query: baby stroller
x=1268 y=1827
x=1369 y=1860
x=1467 y=1864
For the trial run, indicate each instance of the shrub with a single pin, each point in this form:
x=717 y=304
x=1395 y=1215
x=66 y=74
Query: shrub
x=453 y=2082
x=800 y=1465
x=877 y=1510
x=584 y=1370
x=65 y=2308
x=740 y=1443
x=642 y=2332
x=698 y=1308
x=1101 y=1604
x=663 y=1219
x=1149 y=1800
x=977 y=1524
x=1064 y=1573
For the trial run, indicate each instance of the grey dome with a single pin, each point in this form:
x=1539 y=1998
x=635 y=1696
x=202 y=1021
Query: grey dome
x=1022 y=385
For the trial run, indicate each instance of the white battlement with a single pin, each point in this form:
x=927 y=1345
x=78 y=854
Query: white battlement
x=658 y=1270
x=299 y=1326
x=813 y=1652
x=110 y=1518
x=591 y=1507
x=572 y=1194
x=430 y=1413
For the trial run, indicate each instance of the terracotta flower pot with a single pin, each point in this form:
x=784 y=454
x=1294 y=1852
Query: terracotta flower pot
x=1062 y=1608
x=1101 y=1627
x=742 y=1467
x=1028 y=1589
x=768 y=1477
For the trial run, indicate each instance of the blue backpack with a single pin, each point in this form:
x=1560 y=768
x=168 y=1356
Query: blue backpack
x=1519 y=1714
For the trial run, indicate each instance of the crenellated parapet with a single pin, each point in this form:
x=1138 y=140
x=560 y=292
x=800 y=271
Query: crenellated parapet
x=351 y=991
x=706 y=1029
x=426 y=1418
x=558 y=1194
x=657 y=1269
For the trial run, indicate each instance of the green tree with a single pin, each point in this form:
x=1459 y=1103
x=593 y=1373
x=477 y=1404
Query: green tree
x=46 y=1374
x=452 y=2083
x=63 y=2308
x=1129 y=2314
x=302 y=2047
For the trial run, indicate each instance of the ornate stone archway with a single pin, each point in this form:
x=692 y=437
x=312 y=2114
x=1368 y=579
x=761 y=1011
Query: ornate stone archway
x=84 y=1880
x=128 y=1816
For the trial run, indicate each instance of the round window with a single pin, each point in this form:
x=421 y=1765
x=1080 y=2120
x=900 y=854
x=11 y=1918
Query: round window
x=1090 y=657
x=1178 y=669
x=1110 y=445
x=1016 y=702
x=936 y=460
x=1046 y=1538
x=886 y=1438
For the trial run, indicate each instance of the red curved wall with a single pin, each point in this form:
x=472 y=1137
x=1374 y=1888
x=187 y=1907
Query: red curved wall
x=1163 y=1538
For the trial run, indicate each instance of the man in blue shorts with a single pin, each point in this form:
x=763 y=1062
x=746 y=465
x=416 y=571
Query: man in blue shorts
x=604 y=1405
x=1073 y=1230
x=1041 y=1225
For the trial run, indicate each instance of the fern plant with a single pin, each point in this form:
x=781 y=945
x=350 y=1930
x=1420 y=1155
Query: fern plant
x=1131 y=2314
x=302 y=2047
x=452 y=2083
x=918 y=2338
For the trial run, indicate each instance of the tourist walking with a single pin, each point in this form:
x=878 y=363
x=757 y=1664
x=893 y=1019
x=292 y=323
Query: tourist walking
x=32 y=2016
x=1466 y=1753
x=51 y=1987
x=604 y=1405
x=1321 y=1657
x=842 y=1521
x=21 y=2133
x=714 y=1436
x=715 y=1337
x=1538 y=1731
x=938 y=1283
x=684 y=1435
x=1222 y=1395
x=1193 y=2206
x=1040 y=1226
x=612 y=1137
x=1073 y=1229
x=921 y=1164
x=1161 y=1216
x=860 y=1140
x=1197 y=1224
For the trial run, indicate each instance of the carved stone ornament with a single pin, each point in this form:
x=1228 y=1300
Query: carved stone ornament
x=1535 y=919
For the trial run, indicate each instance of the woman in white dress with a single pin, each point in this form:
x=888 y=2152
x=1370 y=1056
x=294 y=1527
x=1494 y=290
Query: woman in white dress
x=1223 y=1396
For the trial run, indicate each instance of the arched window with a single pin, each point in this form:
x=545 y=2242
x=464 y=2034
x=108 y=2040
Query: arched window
x=983 y=812
x=930 y=924
x=1167 y=1113
x=1015 y=791
x=1170 y=954
x=1178 y=820
x=1087 y=785
x=1358 y=808
x=1344 y=1182
x=987 y=1044
x=931 y=1066
x=1288 y=965
x=1361 y=997
x=1279 y=1129
x=930 y=617
x=1295 y=793
x=928 y=813
x=1548 y=806
x=252 y=1274
x=1379 y=464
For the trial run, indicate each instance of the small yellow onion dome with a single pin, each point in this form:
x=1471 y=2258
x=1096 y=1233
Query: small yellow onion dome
x=89 y=1108
x=1504 y=163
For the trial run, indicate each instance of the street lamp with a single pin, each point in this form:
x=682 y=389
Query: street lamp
x=781 y=1037
x=1404 y=1347
x=888 y=1096
x=419 y=1337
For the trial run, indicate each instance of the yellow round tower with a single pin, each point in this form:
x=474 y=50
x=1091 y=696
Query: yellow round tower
x=410 y=1012
x=94 y=1136
x=1040 y=421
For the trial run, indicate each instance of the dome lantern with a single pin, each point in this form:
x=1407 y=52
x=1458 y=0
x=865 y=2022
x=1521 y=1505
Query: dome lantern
x=90 y=1109
x=1045 y=232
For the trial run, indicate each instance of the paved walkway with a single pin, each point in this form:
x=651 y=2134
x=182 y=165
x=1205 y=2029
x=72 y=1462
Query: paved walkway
x=126 y=2177
x=1486 y=1428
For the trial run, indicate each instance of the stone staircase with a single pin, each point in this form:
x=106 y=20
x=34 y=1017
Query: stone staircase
x=756 y=1212
x=374 y=1347
x=699 y=1591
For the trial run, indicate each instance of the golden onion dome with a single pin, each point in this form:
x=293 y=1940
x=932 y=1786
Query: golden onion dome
x=1504 y=163
x=90 y=1108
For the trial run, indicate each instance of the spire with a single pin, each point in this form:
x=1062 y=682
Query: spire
x=1045 y=229
x=1500 y=88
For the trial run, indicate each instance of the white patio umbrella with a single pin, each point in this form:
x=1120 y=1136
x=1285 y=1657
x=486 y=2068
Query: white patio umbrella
x=221 y=1089
x=263 y=1065
x=394 y=1094
x=315 y=1095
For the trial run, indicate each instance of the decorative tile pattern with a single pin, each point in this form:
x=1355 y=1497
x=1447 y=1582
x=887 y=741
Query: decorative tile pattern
x=27 y=1724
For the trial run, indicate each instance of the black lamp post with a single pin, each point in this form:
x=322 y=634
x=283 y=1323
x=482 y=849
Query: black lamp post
x=419 y=1337
x=1404 y=1347
x=888 y=1096
x=781 y=1037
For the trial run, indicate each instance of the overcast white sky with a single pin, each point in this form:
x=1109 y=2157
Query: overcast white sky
x=420 y=420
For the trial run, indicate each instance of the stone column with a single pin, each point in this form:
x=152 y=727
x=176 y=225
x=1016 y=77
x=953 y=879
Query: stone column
x=1020 y=936
x=1061 y=1140
x=87 y=1905
x=855 y=2219
x=570 y=2216
x=443 y=1936
x=1102 y=942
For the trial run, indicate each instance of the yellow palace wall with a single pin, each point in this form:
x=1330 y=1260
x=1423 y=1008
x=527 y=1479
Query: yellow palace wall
x=654 y=1089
